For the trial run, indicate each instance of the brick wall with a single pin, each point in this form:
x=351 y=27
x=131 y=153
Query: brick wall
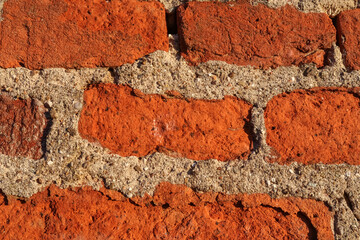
x=132 y=119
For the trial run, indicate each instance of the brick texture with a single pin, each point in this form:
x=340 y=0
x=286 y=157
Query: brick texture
x=174 y=212
x=348 y=37
x=131 y=123
x=22 y=125
x=258 y=36
x=40 y=34
x=320 y=125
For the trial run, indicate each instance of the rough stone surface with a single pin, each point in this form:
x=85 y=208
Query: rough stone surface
x=131 y=123
x=317 y=125
x=330 y=7
x=258 y=36
x=352 y=199
x=173 y=212
x=348 y=37
x=73 y=34
x=22 y=126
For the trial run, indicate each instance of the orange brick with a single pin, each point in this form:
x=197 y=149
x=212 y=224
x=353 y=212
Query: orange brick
x=40 y=34
x=262 y=37
x=131 y=123
x=320 y=125
x=174 y=212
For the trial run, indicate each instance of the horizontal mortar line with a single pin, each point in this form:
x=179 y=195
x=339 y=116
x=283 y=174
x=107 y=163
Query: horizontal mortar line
x=126 y=172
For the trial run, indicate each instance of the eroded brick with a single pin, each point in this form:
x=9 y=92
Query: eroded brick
x=348 y=37
x=22 y=125
x=174 y=212
x=129 y=122
x=320 y=125
x=40 y=34
x=242 y=34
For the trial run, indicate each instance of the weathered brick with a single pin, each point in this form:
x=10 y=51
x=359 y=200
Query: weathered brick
x=40 y=34
x=129 y=122
x=348 y=37
x=242 y=34
x=320 y=125
x=22 y=125
x=174 y=212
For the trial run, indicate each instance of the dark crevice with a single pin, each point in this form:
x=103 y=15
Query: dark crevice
x=114 y=75
x=348 y=201
x=329 y=58
x=252 y=133
x=191 y=171
x=165 y=206
x=328 y=205
x=334 y=21
x=253 y=129
x=340 y=40
x=53 y=207
x=239 y=204
x=108 y=187
x=46 y=132
x=104 y=181
x=338 y=37
x=312 y=235
x=350 y=205
x=171 y=22
x=277 y=209
x=336 y=223
x=133 y=203
x=21 y=200
x=6 y=200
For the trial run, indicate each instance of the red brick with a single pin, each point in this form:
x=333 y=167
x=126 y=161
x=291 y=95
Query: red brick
x=348 y=37
x=79 y=33
x=242 y=34
x=129 y=122
x=320 y=125
x=174 y=212
x=22 y=125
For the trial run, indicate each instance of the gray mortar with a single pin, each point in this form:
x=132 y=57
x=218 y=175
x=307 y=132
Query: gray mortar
x=71 y=161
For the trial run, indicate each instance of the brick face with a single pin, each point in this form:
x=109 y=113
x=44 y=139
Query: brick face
x=348 y=37
x=40 y=34
x=174 y=212
x=131 y=123
x=22 y=125
x=258 y=36
x=315 y=126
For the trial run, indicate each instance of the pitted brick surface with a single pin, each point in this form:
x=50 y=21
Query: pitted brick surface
x=174 y=212
x=348 y=37
x=40 y=34
x=315 y=126
x=129 y=122
x=22 y=125
x=258 y=36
